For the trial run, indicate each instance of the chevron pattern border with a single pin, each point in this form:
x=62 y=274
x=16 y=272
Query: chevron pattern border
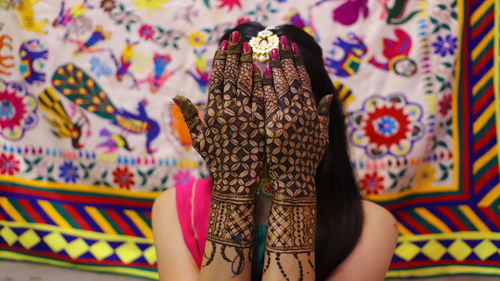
x=55 y=245
x=457 y=232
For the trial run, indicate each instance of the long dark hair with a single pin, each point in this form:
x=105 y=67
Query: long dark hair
x=340 y=213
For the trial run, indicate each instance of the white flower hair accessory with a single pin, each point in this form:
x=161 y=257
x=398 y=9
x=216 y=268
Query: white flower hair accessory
x=262 y=45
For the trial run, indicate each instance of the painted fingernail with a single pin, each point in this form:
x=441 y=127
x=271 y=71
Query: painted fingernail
x=274 y=54
x=235 y=36
x=175 y=101
x=268 y=72
x=223 y=45
x=284 y=42
x=295 y=49
x=255 y=69
x=245 y=47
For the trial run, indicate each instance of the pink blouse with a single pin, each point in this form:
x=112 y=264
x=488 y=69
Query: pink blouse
x=193 y=207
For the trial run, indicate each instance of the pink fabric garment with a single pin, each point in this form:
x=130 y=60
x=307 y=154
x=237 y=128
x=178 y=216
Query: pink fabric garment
x=193 y=206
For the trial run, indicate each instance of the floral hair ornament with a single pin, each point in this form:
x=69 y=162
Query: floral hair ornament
x=262 y=45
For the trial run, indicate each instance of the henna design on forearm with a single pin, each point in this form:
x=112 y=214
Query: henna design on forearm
x=295 y=142
x=231 y=140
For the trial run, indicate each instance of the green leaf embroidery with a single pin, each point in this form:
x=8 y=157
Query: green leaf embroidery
x=445 y=26
x=164 y=179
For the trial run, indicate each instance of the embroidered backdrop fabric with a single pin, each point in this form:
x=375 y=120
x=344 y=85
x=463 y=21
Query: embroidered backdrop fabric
x=89 y=133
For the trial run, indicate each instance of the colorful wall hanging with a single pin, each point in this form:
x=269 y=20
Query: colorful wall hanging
x=89 y=133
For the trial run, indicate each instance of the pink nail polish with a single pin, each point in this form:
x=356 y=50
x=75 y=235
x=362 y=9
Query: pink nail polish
x=295 y=49
x=255 y=69
x=268 y=72
x=274 y=54
x=223 y=45
x=284 y=42
x=245 y=47
x=235 y=36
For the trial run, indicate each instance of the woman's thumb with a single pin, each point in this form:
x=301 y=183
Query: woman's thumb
x=190 y=113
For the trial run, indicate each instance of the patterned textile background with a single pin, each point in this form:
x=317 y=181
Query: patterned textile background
x=89 y=133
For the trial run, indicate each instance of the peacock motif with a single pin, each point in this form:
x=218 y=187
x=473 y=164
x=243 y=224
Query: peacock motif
x=58 y=117
x=81 y=89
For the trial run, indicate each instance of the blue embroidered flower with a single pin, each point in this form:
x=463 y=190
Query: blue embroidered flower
x=446 y=45
x=387 y=125
x=68 y=172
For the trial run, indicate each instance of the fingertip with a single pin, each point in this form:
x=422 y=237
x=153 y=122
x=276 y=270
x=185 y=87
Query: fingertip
x=245 y=48
x=274 y=54
x=257 y=77
x=223 y=45
x=268 y=76
x=284 y=42
x=175 y=101
x=295 y=49
x=235 y=37
x=187 y=107
x=268 y=72
x=255 y=69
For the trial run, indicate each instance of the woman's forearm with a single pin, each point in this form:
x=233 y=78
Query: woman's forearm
x=228 y=248
x=232 y=142
x=290 y=240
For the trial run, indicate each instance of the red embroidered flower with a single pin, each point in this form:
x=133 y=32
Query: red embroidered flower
x=17 y=110
x=372 y=183
x=386 y=125
x=146 y=31
x=445 y=105
x=8 y=164
x=229 y=4
x=12 y=110
x=123 y=177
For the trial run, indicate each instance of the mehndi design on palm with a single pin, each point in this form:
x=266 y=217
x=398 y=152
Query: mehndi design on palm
x=231 y=141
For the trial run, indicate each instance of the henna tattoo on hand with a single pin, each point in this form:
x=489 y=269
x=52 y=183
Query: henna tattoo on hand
x=295 y=143
x=232 y=142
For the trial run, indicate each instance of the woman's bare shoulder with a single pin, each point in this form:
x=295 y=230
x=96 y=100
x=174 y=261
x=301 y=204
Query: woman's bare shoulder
x=174 y=259
x=374 y=250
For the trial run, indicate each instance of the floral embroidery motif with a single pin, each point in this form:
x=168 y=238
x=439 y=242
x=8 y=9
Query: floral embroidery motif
x=387 y=125
x=445 y=45
x=445 y=105
x=197 y=39
x=146 y=31
x=372 y=183
x=9 y=165
x=17 y=110
x=68 y=172
x=108 y=5
x=425 y=175
x=229 y=4
x=123 y=177
x=182 y=177
x=150 y=5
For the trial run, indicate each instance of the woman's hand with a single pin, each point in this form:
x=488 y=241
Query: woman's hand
x=231 y=140
x=295 y=142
